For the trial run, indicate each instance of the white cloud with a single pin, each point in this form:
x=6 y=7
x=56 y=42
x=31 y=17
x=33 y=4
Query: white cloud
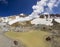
x=39 y=7
x=57 y=3
x=51 y=4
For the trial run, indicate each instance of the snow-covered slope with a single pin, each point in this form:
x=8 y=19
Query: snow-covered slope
x=21 y=19
x=42 y=21
x=57 y=20
x=14 y=19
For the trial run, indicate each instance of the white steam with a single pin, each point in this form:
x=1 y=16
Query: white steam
x=39 y=7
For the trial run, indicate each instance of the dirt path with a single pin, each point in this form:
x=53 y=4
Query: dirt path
x=5 y=41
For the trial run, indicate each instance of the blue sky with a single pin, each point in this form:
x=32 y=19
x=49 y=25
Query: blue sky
x=16 y=7
x=13 y=7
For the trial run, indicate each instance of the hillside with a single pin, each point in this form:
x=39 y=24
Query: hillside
x=22 y=18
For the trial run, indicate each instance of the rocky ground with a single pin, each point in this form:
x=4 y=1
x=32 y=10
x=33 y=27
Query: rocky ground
x=7 y=42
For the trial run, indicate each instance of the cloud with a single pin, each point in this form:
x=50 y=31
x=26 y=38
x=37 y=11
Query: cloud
x=39 y=7
x=53 y=3
x=57 y=3
x=4 y=1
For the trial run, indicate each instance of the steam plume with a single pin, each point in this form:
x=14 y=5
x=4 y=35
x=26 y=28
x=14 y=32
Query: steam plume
x=39 y=7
